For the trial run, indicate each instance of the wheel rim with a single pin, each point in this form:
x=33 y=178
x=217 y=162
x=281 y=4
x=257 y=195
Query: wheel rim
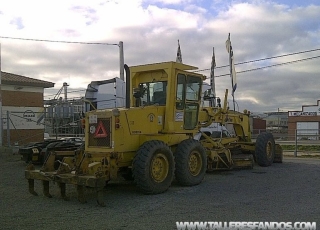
x=195 y=163
x=269 y=149
x=159 y=168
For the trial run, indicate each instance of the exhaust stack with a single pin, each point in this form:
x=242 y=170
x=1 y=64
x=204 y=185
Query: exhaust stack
x=127 y=70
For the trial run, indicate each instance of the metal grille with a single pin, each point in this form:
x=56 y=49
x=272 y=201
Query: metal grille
x=100 y=135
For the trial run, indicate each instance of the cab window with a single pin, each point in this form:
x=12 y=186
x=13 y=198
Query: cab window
x=153 y=93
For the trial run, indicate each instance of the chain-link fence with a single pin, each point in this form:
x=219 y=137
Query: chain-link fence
x=291 y=134
x=20 y=128
x=297 y=141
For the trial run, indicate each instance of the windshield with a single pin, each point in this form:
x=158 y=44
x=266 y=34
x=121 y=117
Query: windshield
x=153 y=93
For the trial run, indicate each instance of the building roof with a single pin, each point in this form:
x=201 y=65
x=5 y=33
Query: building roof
x=14 y=79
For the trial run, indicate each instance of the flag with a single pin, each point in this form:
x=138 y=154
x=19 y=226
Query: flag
x=213 y=65
x=232 y=68
x=179 y=55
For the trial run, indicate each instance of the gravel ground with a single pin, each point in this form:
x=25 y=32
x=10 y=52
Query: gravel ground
x=282 y=192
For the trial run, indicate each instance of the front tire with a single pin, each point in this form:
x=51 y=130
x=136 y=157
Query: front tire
x=191 y=162
x=153 y=167
x=265 y=149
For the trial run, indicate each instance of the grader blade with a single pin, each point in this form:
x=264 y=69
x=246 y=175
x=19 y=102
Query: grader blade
x=243 y=161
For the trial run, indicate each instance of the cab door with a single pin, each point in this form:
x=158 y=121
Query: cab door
x=188 y=97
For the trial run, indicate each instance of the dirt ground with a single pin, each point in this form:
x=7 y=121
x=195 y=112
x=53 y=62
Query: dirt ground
x=282 y=192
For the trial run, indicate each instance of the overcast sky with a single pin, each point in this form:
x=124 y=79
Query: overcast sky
x=150 y=30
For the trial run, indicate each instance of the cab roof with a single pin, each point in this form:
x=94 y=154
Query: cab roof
x=162 y=65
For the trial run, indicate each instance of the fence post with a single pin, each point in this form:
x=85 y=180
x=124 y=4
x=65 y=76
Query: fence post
x=296 y=144
x=8 y=128
x=1 y=118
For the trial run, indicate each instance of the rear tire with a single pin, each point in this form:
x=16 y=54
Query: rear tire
x=265 y=149
x=153 y=167
x=191 y=162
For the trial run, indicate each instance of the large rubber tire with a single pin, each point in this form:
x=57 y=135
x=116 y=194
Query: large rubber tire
x=153 y=167
x=191 y=162
x=265 y=149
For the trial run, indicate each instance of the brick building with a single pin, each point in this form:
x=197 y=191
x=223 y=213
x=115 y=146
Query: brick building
x=257 y=125
x=22 y=108
x=305 y=123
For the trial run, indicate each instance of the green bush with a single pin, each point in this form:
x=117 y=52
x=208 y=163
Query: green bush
x=301 y=147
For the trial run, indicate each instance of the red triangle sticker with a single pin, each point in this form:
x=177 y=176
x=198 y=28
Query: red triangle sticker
x=100 y=131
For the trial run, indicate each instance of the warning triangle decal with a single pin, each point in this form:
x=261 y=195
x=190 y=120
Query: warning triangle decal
x=100 y=131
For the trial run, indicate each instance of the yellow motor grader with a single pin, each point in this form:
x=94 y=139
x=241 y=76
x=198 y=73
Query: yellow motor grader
x=151 y=139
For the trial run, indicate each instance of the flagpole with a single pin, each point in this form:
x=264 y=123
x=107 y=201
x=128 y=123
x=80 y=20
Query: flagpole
x=231 y=71
x=212 y=80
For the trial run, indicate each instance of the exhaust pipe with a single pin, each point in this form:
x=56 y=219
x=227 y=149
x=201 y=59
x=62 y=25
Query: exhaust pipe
x=127 y=70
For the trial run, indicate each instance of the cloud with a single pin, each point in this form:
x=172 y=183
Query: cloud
x=17 y=22
x=150 y=30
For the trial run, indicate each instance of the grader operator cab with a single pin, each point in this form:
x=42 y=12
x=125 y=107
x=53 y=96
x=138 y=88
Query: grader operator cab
x=151 y=139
